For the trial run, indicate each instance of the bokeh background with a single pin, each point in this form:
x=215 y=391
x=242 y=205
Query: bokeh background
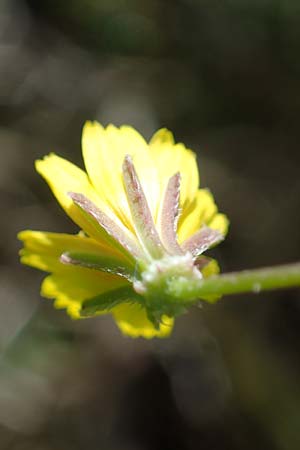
x=225 y=77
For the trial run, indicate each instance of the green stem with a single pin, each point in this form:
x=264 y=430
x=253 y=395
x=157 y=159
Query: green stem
x=256 y=280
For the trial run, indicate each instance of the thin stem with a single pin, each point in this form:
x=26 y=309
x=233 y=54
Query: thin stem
x=256 y=280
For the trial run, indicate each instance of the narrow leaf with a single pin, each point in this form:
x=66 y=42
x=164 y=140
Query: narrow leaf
x=201 y=241
x=109 y=300
x=97 y=261
x=169 y=216
x=140 y=211
x=117 y=235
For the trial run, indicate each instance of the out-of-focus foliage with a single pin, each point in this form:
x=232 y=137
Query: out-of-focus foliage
x=225 y=76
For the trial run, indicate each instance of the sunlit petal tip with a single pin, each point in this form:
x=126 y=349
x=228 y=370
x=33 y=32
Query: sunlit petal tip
x=163 y=136
x=220 y=222
x=92 y=125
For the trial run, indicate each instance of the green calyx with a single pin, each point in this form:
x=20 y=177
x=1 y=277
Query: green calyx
x=153 y=289
x=156 y=286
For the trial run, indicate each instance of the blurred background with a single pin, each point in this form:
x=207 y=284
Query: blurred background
x=224 y=76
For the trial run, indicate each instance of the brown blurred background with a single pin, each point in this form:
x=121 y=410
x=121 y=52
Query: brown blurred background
x=225 y=77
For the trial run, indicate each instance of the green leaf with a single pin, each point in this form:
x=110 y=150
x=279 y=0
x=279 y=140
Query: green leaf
x=104 y=263
x=108 y=229
x=109 y=300
x=140 y=211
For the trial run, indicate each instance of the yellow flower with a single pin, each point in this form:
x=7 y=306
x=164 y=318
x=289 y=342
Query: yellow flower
x=143 y=220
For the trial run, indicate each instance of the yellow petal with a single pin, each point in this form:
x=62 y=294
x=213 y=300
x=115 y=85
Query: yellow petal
x=203 y=211
x=212 y=268
x=43 y=250
x=71 y=289
x=171 y=158
x=132 y=321
x=104 y=151
x=220 y=222
x=63 y=177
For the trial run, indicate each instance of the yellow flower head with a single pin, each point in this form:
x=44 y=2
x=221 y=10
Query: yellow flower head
x=144 y=222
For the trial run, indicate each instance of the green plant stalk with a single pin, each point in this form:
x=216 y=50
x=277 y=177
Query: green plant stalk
x=169 y=294
x=255 y=280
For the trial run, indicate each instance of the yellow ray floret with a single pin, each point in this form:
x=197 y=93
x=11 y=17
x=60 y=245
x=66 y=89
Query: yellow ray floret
x=132 y=321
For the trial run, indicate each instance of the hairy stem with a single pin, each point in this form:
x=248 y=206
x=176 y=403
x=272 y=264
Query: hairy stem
x=255 y=280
